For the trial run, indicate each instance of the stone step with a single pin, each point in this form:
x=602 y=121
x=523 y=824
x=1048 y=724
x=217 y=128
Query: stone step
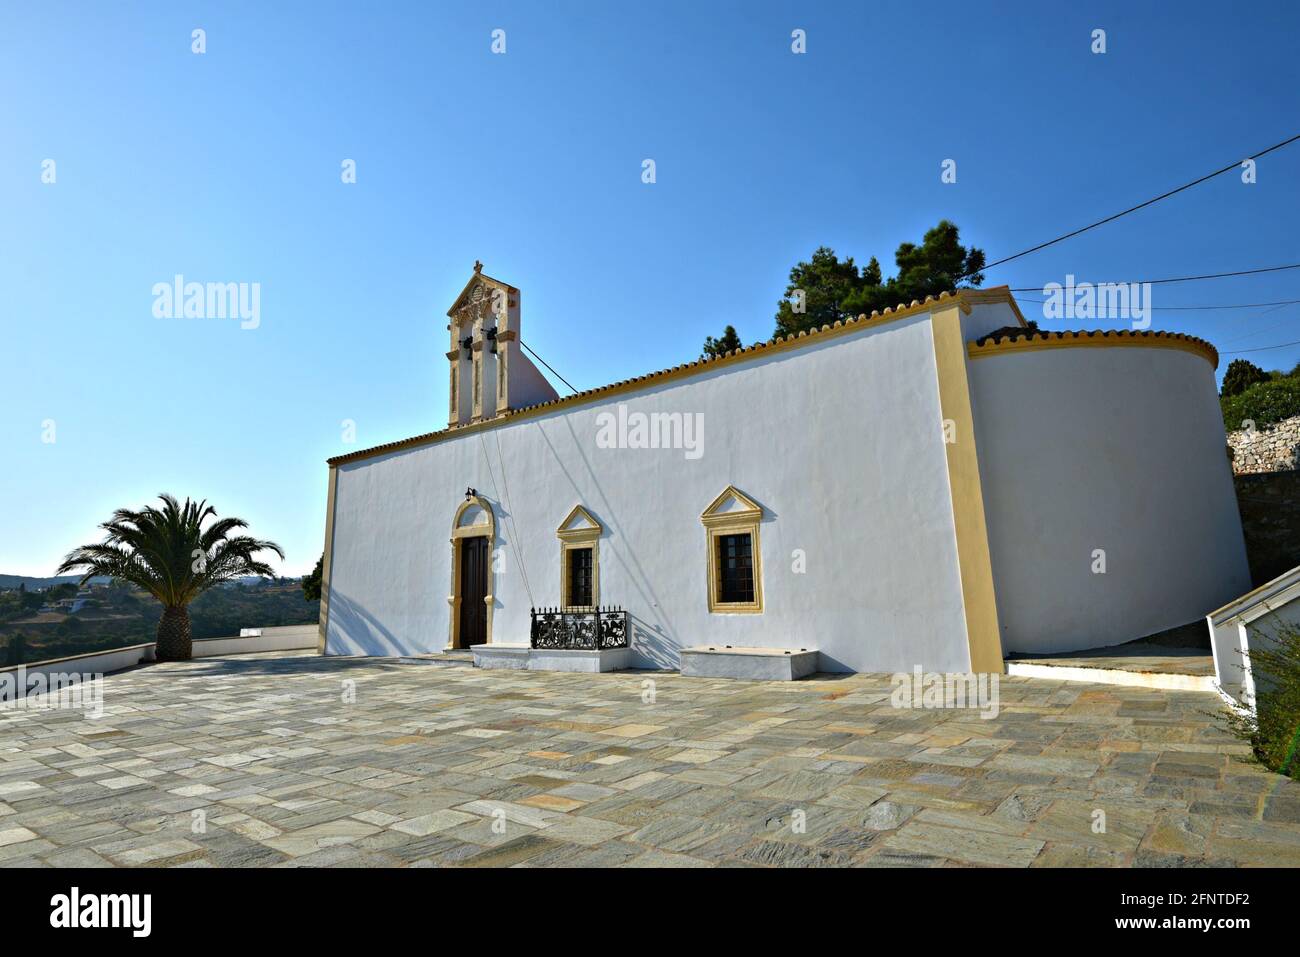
x=441 y=660
x=1129 y=677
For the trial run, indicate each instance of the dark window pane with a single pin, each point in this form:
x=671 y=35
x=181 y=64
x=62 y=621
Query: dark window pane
x=735 y=569
x=579 y=577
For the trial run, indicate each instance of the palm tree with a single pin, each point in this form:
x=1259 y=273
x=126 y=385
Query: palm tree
x=168 y=553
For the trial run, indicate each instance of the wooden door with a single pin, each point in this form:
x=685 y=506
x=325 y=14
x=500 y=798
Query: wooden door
x=473 y=588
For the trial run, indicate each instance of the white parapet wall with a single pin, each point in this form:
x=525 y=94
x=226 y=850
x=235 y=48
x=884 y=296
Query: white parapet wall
x=15 y=680
x=1248 y=623
x=284 y=638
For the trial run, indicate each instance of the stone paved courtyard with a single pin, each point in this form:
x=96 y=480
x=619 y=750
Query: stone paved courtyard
x=454 y=766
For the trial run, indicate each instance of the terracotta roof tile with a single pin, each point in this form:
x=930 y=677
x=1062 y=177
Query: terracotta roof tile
x=1012 y=335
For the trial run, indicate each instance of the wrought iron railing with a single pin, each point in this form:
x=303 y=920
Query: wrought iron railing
x=579 y=628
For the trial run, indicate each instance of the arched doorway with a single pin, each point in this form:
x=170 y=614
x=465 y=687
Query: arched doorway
x=473 y=531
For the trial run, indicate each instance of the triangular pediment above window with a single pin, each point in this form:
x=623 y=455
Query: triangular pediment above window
x=579 y=524
x=731 y=505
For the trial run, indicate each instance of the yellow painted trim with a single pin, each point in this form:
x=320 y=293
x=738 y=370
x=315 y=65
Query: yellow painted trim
x=458 y=535
x=743 y=521
x=996 y=294
x=565 y=548
x=979 y=600
x=749 y=508
x=1108 y=338
x=593 y=530
x=760 y=350
x=331 y=499
x=572 y=538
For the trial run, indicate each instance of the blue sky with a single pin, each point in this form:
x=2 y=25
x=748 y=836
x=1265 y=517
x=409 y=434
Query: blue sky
x=225 y=167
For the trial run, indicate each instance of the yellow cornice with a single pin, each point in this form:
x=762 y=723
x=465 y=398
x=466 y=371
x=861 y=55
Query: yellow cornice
x=760 y=350
x=593 y=530
x=749 y=512
x=977 y=297
x=1121 y=337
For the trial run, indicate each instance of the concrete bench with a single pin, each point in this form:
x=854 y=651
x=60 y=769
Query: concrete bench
x=752 y=664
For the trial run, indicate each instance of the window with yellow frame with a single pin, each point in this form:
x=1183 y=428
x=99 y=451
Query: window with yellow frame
x=579 y=536
x=735 y=566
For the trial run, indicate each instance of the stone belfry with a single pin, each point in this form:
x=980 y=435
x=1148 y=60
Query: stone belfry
x=489 y=375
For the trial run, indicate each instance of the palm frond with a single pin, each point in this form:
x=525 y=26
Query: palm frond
x=169 y=553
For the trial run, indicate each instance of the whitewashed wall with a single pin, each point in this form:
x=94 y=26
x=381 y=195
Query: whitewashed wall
x=840 y=442
x=1114 y=448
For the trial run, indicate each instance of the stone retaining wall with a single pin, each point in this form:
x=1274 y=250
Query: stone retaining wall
x=1270 y=519
x=1275 y=448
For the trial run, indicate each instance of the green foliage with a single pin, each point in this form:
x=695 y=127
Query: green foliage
x=1274 y=729
x=16 y=604
x=1240 y=376
x=825 y=283
x=834 y=290
x=175 y=553
x=221 y=612
x=1263 y=403
x=170 y=552
x=727 y=342
x=311 y=583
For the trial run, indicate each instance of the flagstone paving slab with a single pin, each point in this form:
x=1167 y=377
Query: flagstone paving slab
x=273 y=761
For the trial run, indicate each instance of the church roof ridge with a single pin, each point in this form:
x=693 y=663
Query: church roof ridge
x=963 y=297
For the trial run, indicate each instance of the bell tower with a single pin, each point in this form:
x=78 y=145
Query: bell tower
x=489 y=375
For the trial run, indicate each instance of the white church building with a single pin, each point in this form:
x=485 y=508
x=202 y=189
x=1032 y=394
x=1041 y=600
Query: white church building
x=929 y=486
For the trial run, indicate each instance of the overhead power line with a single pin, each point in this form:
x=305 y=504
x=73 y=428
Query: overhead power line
x=548 y=365
x=1283 y=345
x=1259 y=332
x=1241 y=305
x=1236 y=164
x=1083 y=229
x=1157 y=282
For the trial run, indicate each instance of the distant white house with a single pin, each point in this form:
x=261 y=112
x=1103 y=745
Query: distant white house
x=933 y=485
x=68 y=606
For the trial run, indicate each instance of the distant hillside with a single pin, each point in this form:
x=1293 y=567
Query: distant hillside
x=13 y=581
x=121 y=615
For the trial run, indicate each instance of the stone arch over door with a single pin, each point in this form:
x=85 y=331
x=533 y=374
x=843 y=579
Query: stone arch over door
x=474 y=519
